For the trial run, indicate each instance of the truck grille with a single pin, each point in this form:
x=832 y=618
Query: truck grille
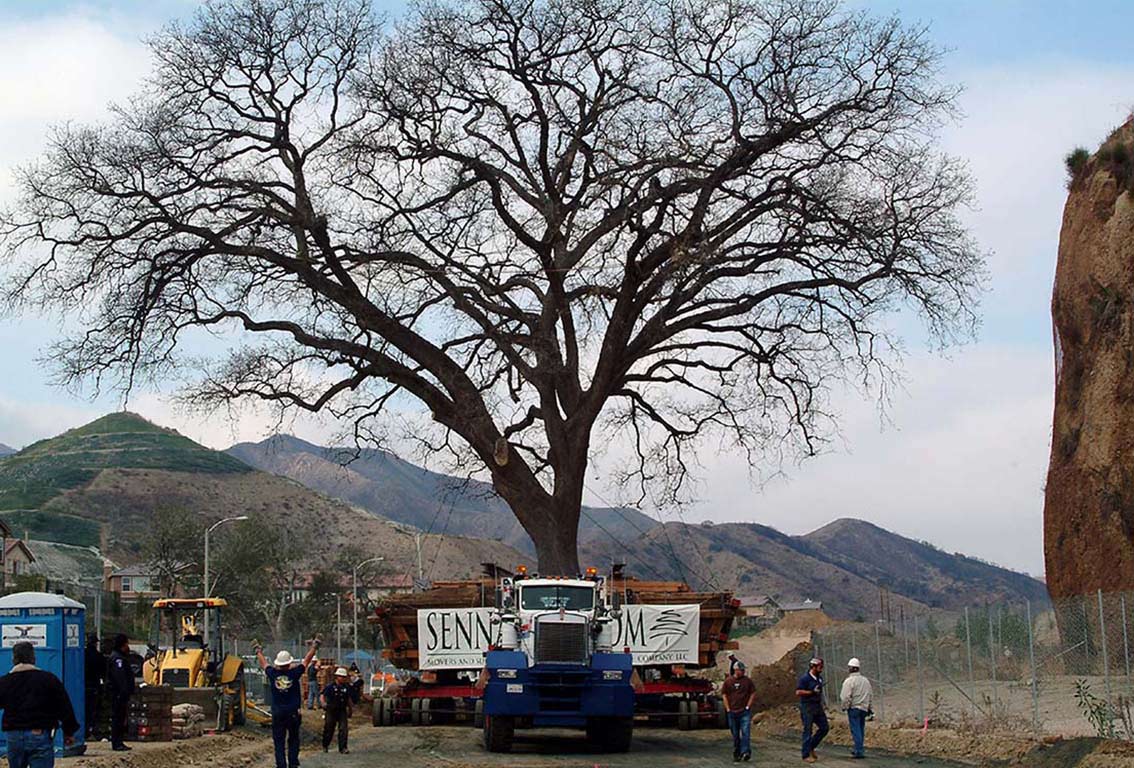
x=561 y=642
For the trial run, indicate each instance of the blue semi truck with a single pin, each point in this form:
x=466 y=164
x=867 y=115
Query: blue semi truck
x=552 y=664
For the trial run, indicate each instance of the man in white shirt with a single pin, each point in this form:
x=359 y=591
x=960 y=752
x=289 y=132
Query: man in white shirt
x=856 y=698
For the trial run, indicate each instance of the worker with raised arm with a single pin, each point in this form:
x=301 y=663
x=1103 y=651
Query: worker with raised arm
x=284 y=681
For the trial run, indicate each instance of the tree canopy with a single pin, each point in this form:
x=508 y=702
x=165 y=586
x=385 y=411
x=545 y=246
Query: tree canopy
x=545 y=225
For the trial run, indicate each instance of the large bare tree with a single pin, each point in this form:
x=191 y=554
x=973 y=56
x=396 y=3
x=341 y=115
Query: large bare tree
x=533 y=222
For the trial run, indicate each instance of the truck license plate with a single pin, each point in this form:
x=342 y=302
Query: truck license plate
x=515 y=688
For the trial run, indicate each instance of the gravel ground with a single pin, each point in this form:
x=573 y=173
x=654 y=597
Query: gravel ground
x=458 y=747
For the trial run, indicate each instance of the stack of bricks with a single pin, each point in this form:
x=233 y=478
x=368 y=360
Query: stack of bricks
x=151 y=714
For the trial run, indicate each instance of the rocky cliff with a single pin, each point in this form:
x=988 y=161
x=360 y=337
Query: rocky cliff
x=1089 y=505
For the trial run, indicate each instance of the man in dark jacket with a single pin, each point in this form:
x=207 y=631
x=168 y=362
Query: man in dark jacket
x=94 y=677
x=337 y=700
x=121 y=679
x=35 y=703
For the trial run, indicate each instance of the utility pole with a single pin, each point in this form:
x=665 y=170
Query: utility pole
x=209 y=530
x=354 y=599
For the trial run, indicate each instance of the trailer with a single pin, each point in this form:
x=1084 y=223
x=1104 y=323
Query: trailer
x=665 y=692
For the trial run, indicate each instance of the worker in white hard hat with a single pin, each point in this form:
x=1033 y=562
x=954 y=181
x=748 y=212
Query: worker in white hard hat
x=337 y=700
x=284 y=681
x=856 y=698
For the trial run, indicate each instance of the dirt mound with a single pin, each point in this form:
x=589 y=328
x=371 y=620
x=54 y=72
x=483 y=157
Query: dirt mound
x=1090 y=483
x=775 y=683
x=797 y=621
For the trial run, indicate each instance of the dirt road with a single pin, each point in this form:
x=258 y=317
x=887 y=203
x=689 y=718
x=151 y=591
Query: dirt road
x=653 y=748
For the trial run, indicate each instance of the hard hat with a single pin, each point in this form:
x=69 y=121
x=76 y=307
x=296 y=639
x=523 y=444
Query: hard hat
x=815 y=662
x=284 y=659
x=341 y=672
x=854 y=663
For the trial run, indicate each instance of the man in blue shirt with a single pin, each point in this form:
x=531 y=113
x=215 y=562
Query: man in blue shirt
x=284 y=678
x=809 y=690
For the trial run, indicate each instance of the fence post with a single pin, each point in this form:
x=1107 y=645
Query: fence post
x=992 y=657
x=1086 y=637
x=972 y=677
x=1105 y=657
x=1032 y=661
x=920 y=682
x=878 y=648
x=906 y=637
x=1125 y=639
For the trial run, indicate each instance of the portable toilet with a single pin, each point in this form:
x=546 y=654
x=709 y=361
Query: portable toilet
x=55 y=626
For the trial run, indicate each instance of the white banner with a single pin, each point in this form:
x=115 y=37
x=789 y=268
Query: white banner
x=660 y=634
x=36 y=634
x=457 y=638
x=453 y=638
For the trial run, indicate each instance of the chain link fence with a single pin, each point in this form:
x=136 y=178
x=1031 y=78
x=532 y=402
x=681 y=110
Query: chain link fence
x=1060 y=668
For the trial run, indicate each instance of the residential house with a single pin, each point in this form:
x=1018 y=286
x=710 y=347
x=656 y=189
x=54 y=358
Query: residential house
x=374 y=588
x=17 y=559
x=760 y=611
x=805 y=605
x=5 y=536
x=134 y=583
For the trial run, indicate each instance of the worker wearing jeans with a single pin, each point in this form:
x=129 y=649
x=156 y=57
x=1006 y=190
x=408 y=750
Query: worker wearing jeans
x=35 y=703
x=287 y=701
x=856 y=699
x=739 y=693
x=809 y=690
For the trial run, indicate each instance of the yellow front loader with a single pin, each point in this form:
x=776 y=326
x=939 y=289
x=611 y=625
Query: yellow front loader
x=197 y=667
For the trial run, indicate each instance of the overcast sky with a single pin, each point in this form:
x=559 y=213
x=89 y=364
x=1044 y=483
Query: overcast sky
x=960 y=457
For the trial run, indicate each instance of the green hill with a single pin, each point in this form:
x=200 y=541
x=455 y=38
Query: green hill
x=43 y=470
x=52 y=526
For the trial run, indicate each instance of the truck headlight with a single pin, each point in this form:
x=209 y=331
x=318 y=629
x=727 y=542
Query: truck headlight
x=510 y=674
x=612 y=674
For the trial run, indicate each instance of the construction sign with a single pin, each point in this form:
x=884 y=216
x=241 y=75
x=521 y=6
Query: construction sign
x=659 y=634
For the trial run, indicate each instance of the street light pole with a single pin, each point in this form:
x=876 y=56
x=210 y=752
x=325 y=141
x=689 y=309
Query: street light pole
x=354 y=599
x=208 y=590
x=416 y=534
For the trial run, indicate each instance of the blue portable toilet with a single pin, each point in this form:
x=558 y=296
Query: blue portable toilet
x=55 y=626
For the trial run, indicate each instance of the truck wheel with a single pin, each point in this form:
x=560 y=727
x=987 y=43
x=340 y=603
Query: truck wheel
x=224 y=713
x=376 y=712
x=498 y=732
x=478 y=714
x=415 y=712
x=720 y=713
x=426 y=717
x=240 y=706
x=388 y=707
x=618 y=734
x=684 y=720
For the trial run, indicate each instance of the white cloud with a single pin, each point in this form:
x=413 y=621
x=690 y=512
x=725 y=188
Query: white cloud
x=56 y=69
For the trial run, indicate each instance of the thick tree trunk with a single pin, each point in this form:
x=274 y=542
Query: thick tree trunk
x=552 y=522
x=557 y=544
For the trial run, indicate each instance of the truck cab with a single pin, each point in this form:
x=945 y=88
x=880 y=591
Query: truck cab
x=552 y=664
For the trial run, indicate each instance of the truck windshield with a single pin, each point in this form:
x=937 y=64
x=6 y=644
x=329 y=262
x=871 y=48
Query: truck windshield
x=555 y=597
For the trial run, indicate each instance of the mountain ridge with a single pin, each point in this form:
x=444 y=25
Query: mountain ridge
x=389 y=486
x=120 y=469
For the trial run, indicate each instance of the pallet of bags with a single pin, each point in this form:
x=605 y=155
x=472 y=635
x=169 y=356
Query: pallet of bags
x=188 y=721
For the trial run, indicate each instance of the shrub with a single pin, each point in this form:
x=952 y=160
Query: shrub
x=1076 y=161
